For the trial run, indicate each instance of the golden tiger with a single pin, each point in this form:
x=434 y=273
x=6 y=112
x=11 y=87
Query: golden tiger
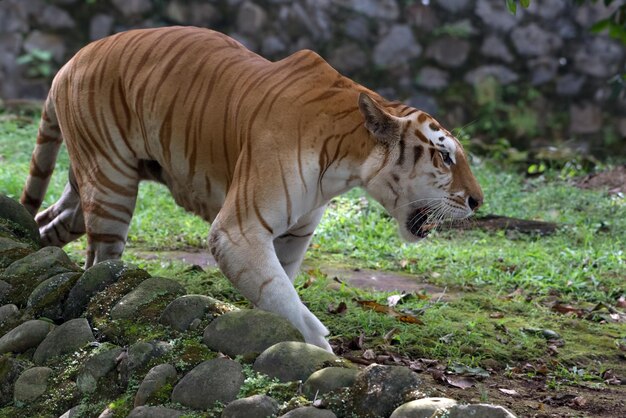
x=256 y=148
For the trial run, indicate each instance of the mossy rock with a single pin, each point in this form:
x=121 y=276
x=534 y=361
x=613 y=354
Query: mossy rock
x=48 y=298
x=290 y=361
x=148 y=299
x=97 y=367
x=10 y=370
x=12 y=250
x=100 y=304
x=15 y=218
x=248 y=331
x=96 y=279
x=26 y=274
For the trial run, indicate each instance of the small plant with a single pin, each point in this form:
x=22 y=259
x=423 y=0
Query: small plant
x=38 y=63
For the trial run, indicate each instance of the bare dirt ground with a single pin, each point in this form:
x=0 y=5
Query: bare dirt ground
x=614 y=180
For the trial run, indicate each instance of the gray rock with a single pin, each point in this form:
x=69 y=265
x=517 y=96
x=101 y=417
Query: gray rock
x=94 y=280
x=251 y=18
x=252 y=406
x=5 y=291
x=155 y=412
x=96 y=367
x=599 y=57
x=8 y=313
x=53 y=17
x=494 y=47
x=139 y=354
x=248 y=331
x=31 y=384
x=589 y=14
x=65 y=339
x=495 y=15
x=181 y=312
x=454 y=6
x=101 y=25
x=424 y=17
x=448 y=51
x=425 y=103
x=422 y=408
x=309 y=412
x=378 y=389
x=177 y=11
x=155 y=379
x=22 y=223
x=131 y=8
x=348 y=58
x=48 y=297
x=432 y=78
x=12 y=250
x=585 y=118
x=212 y=380
x=10 y=370
x=12 y=17
x=543 y=69
x=532 y=41
x=203 y=14
x=26 y=274
x=474 y=411
x=378 y=9
x=357 y=28
x=503 y=75
x=272 y=46
x=148 y=291
x=397 y=47
x=75 y=412
x=38 y=40
x=570 y=84
x=327 y=380
x=290 y=361
x=548 y=9
x=25 y=336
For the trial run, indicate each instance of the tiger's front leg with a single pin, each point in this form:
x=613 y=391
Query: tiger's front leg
x=292 y=245
x=250 y=262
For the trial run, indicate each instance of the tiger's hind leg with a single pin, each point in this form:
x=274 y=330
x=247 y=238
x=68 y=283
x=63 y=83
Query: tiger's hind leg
x=62 y=222
x=108 y=208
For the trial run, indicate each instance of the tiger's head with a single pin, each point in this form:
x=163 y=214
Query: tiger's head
x=418 y=171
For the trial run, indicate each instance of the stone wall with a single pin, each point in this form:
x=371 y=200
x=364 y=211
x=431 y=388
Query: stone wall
x=439 y=55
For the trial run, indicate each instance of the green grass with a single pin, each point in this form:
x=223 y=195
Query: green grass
x=582 y=264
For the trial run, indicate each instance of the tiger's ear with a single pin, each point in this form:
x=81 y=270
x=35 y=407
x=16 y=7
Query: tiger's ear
x=381 y=124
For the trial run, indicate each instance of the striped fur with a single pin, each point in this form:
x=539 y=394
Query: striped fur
x=255 y=147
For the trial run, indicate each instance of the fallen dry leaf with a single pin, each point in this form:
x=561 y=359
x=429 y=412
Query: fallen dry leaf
x=377 y=307
x=390 y=334
x=393 y=300
x=496 y=315
x=369 y=354
x=339 y=310
x=462 y=382
x=410 y=319
x=511 y=392
x=515 y=293
x=568 y=309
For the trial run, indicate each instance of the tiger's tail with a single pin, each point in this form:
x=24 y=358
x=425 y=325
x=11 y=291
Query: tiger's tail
x=43 y=160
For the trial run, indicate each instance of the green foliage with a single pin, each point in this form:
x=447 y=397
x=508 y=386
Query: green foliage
x=38 y=63
x=512 y=5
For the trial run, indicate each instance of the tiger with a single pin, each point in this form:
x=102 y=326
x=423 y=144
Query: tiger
x=254 y=147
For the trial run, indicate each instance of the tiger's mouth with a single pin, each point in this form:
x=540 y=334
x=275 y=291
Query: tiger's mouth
x=417 y=223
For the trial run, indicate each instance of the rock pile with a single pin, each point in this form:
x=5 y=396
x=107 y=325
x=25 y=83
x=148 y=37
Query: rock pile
x=428 y=53
x=113 y=341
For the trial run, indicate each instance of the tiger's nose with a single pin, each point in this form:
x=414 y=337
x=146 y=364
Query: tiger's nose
x=474 y=203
